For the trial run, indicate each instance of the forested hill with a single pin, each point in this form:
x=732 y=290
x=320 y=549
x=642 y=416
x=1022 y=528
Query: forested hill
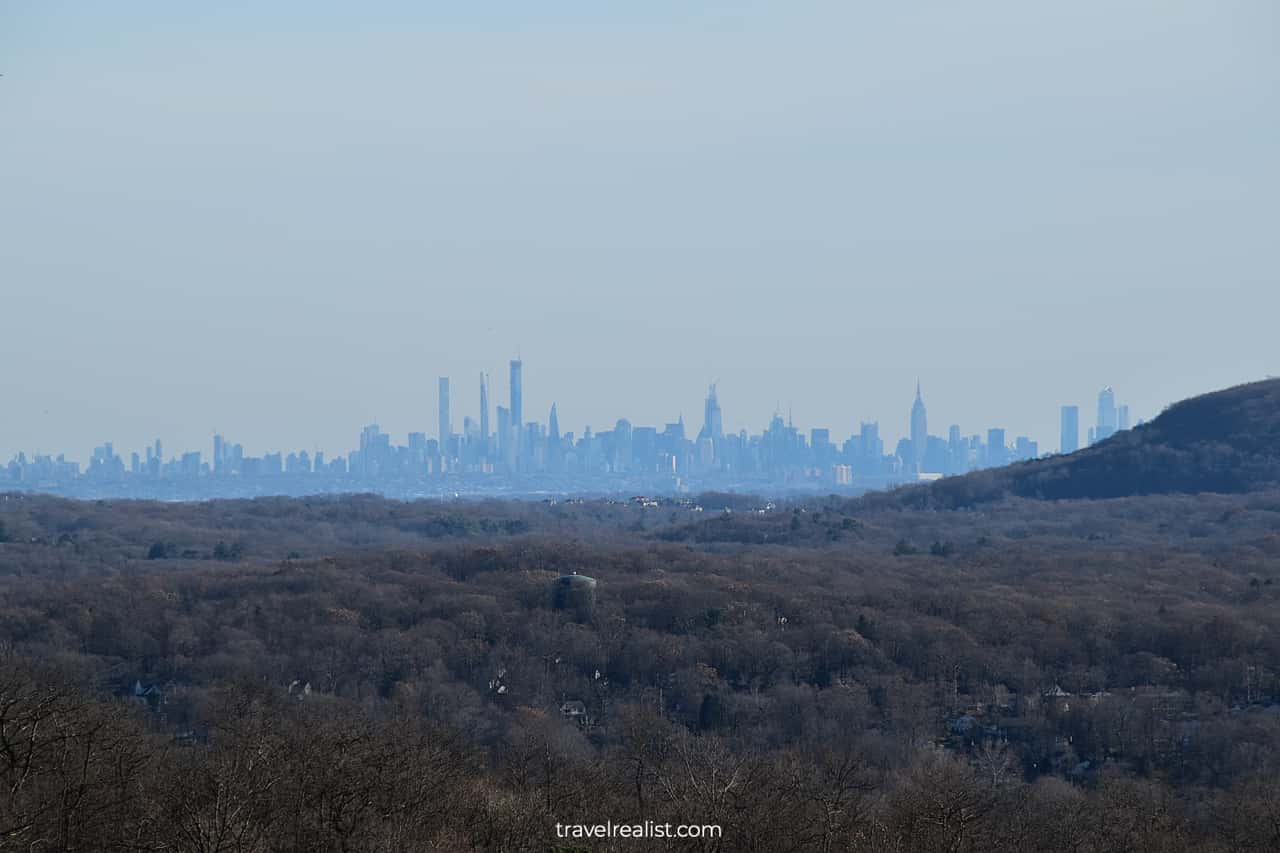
x=1227 y=441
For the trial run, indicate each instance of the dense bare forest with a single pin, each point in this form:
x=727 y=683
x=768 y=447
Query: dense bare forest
x=360 y=674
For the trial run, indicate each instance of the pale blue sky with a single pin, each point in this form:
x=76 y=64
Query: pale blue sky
x=286 y=223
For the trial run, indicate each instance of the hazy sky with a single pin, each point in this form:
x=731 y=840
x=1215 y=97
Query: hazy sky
x=286 y=223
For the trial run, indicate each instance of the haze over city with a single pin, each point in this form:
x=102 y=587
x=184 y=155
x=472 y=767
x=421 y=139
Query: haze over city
x=509 y=451
x=283 y=226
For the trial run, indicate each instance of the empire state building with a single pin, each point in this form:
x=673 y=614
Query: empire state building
x=919 y=432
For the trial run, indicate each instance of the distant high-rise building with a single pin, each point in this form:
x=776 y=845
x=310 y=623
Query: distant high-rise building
x=622 y=444
x=712 y=423
x=869 y=439
x=957 y=457
x=219 y=453
x=446 y=426
x=1106 y=413
x=506 y=437
x=484 y=415
x=1069 y=440
x=553 y=439
x=997 y=450
x=644 y=449
x=371 y=443
x=919 y=432
x=517 y=394
x=1122 y=417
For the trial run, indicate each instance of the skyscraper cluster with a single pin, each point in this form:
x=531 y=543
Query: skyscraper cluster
x=1111 y=418
x=532 y=456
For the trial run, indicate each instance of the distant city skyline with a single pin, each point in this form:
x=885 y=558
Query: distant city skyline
x=440 y=406
x=442 y=400
x=535 y=455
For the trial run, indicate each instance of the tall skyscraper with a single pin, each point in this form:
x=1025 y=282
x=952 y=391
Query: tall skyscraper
x=997 y=451
x=919 y=431
x=517 y=401
x=553 y=440
x=1122 y=417
x=446 y=427
x=712 y=423
x=1106 y=413
x=622 y=445
x=869 y=440
x=1069 y=440
x=484 y=415
x=506 y=437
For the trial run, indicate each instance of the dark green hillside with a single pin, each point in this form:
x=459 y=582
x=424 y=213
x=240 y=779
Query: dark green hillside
x=1226 y=442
